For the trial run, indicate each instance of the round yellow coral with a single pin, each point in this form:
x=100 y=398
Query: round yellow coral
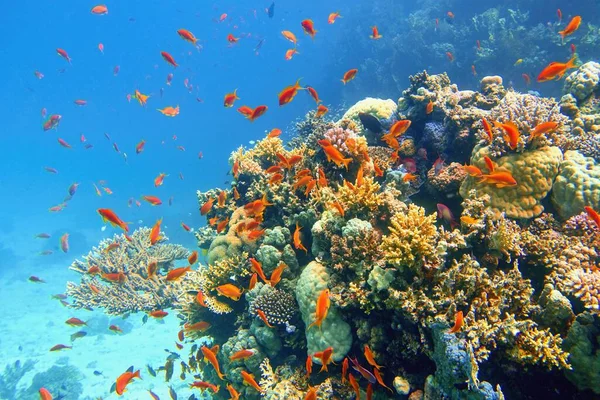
x=384 y=110
x=534 y=172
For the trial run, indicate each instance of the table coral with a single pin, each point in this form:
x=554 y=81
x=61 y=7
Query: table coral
x=534 y=172
x=577 y=184
x=137 y=292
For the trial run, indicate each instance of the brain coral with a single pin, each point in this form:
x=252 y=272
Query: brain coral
x=384 y=110
x=334 y=331
x=584 y=81
x=534 y=172
x=577 y=184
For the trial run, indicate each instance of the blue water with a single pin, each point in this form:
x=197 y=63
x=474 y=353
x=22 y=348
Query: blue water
x=133 y=34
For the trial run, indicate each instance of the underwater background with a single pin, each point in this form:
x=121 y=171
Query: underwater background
x=479 y=283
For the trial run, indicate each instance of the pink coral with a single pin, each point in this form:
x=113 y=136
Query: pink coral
x=338 y=137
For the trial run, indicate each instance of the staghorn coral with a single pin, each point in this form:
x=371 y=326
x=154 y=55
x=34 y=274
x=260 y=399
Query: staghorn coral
x=540 y=346
x=360 y=200
x=534 y=172
x=136 y=292
x=412 y=240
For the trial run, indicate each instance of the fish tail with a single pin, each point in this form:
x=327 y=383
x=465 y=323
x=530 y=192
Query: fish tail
x=572 y=62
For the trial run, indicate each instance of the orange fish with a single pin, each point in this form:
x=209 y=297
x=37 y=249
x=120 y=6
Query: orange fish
x=334 y=154
x=222 y=225
x=572 y=26
x=556 y=70
x=158 y=181
x=59 y=347
x=99 y=10
x=169 y=58
x=155 y=232
x=115 y=277
x=473 y=70
x=527 y=79
x=429 y=107
x=333 y=16
x=249 y=380
x=230 y=98
x=349 y=75
x=263 y=317
x=222 y=198
x=193 y=257
x=140 y=147
x=311 y=394
x=593 y=215
x=321 y=110
x=344 y=369
x=370 y=358
x=512 y=134
x=158 y=314
x=325 y=357
x=322 y=307
x=245 y=111
x=275 y=132
x=472 y=170
x=500 y=179
x=290 y=53
x=288 y=93
x=232 y=39
x=313 y=93
x=542 y=128
x=124 y=379
x=204 y=385
x=212 y=358
x=75 y=322
x=450 y=56
x=230 y=291
x=232 y=392
x=289 y=36
x=257 y=112
x=370 y=391
x=458 y=323
x=207 y=206
x=399 y=127
x=177 y=273
x=187 y=36
x=155 y=201
x=200 y=326
x=380 y=379
x=236 y=194
x=200 y=299
x=236 y=169
x=487 y=128
x=559 y=14
x=308 y=365
x=256 y=266
x=152 y=268
x=450 y=14
x=108 y=215
x=186 y=227
x=169 y=111
x=242 y=354
x=309 y=27
x=297 y=242
x=489 y=163
x=375 y=34
x=276 y=274
x=141 y=98
x=45 y=394
x=253 y=281
x=64 y=54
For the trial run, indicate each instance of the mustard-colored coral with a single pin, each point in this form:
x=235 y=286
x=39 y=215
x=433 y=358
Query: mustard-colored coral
x=360 y=200
x=540 y=346
x=412 y=239
x=534 y=172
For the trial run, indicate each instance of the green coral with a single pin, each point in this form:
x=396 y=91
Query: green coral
x=583 y=343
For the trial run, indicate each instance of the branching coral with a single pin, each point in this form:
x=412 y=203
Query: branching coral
x=360 y=200
x=135 y=291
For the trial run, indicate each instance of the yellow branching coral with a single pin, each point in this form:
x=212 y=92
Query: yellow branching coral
x=412 y=239
x=540 y=346
x=359 y=200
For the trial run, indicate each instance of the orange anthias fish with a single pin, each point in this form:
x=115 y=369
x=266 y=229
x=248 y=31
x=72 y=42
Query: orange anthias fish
x=322 y=307
x=297 y=242
x=276 y=274
x=313 y=93
x=543 y=128
x=249 y=380
x=458 y=323
x=193 y=257
x=64 y=54
x=124 y=379
x=257 y=112
x=108 y=215
x=212 y=358
x=333 y=16
x=230 y=291
x=158 y=314
x=264 y=318
x=309 y=27
x=230 y=98
x=571 y=27
x=275 y=132
x=245 y=111
x=450 y=56
x=204 y=385
x=354 y=385
x=232 y=39
x=140 y=146
x=375 y=34
x=370 y=357
x=288 y=93
x=472 y=170
x=155 y=201
x=429 y=107
x=45 y=394
x=500 y=179
x=349 y=75
x=206 y=207
x=556 y=70
x=527 y=79
x=99 y=10
x=512 y=134
x=187 y=36
x=321 y=110
x=289 y=36
x=487 y=128
x=177 y=273
x=200 y=326
x=242 y=354
x=169 y=111
x=325 y=357
x=141 y=98
x=169 y=58
x=290 y=53
x=158 y=181
x=334 y=154
x=155 y=232
x=256 y=266
x=593 y=215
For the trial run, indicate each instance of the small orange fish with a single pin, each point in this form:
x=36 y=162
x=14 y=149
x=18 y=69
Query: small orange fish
x=169 y=58
x=288 y=93
x=158 y=181
x=155 y=232
x=45 y=394
x=263 y=317
x=311 y=394
x=344 y=369
x=333 y=16
x=232 y=392
x=109 y=215
x=409 y=177
x=140 y=147
x=230 y=291
x=489 y=163
x=187 y=36
x=429 y=107
x=370 y=358
x=257 y=112
x=242 y=354
x=115 y=277
x=236 y=194
x=200 y=326
x=308 y=365
x=75 y=322
x=556 y=70
x=230 y=98
x=500 y=179
x=232 y=39
x=169 y=111
x=141 y=98
x=245 y=110
x=322 y=308
x=253 y=281
x=192 y=258
x=309 y=27
x=458 y=323
x=222 y=225
x=571 y=27
x=473 y=70
x=177 y=273
x=153 y=200
x=59 y=347
x=275 y=132
x=249 y=380
x=256 y=266
x=124 y=379
x=212 y=358
x=472 y=170
x=321 y=110
x=527 y=79
x=204 y=385
x=152 y=268
x=593 y=215
x=334 y=154
x=276 y=274
x=325 y=357
x=206 y=207
x=290 y=53
x=399 y=127
x=450 y=56
x=289 y=36
x=297 y=241
x=158 y=314
x=99 y=10
x=543 y=128
x=349 y=75
x=375 y=35
x=185 y=227
x=512 y=134
x=487 y=128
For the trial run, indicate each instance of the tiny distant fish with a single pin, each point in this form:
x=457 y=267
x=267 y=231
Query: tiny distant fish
x=107 y=136
x=38 y=74
x=151 y=370
x=63 y=54
x=98 y=373
x=78 y=335
x=63 y=143
x=52 y=121
x=35 y=279
x=88 y=146
x=172 y=393
x=271 y=10
x=43 y=235
x=46 y=252
x=116 y=70
x=200 y=155
x=101 y=48
x=170 y=200
x=64 y=243
x=73 y=188
x=80 y=102
x=116 y=147
x=259 y=45
x=44 y=112
x=51 y=170
x=169 y=79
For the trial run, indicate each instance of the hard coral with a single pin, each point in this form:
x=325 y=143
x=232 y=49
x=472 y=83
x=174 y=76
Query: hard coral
x=279 y=306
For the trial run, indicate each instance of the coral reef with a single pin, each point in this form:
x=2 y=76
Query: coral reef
x=383 y=110
x=577 y=184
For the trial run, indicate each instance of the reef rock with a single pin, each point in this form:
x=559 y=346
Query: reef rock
x=334 y=332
